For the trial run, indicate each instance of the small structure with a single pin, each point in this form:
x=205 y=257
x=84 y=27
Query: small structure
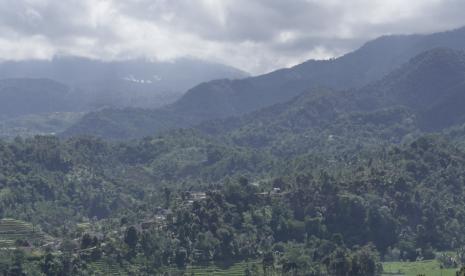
x=196 y=196
x=190 y=197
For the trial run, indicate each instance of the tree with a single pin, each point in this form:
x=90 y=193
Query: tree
x=17 y=268
x=50 y=266
x=268 y=263
x=131 y=237
x=87 y=241
x=339 y=263
x=181 y=257
x=365 y=262
x=167 y=196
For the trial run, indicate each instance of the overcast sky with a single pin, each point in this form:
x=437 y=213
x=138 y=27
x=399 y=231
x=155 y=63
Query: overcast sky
x=254 y=35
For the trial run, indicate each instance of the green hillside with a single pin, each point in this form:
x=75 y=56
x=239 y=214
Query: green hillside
x=331 y=182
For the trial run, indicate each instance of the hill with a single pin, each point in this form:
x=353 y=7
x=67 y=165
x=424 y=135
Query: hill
x=226 y=98
x=34 y=96
x=330 y=182
x=47 y=97
x=406 y=199
x=423 y=95
x=317 y=130
x=223 y=98
x=12 y=231
x=125 y=83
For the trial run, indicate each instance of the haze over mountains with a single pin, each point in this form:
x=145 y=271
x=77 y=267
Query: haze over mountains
x=131 y=83
x=31 y=91
x=225 y=98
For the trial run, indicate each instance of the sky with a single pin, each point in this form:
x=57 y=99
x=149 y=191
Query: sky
x=256 y=36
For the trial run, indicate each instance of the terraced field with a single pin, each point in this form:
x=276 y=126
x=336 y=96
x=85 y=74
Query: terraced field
x=102 y=268
x=12 y=230
x=213 y=270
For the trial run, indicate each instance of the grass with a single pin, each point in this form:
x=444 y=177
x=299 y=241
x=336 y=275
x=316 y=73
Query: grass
x=428 y=268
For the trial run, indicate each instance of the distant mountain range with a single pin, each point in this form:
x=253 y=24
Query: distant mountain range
x=95 y=84
x=43 y=97
x=29 y=96
x=226 y=98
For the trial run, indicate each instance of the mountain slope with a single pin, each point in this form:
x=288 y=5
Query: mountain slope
x=43 y=97
x=426 y=94
x=29 y=96
x=225 y=98
x=371 y=62
x=129 y=123
x=129 y=83
x=431 y=84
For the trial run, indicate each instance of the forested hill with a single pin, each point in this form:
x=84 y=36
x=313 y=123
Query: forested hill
x=330 y=182
x=371 y=62
x=423 y=95
x=395 y=202
x=224 y=98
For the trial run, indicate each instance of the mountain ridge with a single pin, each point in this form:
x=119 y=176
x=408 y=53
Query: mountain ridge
x=226 y=98
x=389 y=107
x=122 y=83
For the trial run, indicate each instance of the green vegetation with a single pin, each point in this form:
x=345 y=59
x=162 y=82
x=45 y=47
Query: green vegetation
x=225 y=98
x=432 y=268
x=14 y=233
x=330 y=183
x=237 y=269
x=38 y=124
x=304 y=224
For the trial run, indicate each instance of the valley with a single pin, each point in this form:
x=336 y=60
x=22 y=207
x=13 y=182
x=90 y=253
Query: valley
x=348 y=166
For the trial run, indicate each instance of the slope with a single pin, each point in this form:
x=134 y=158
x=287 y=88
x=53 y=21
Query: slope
x=426 y=94
x=32 y=96
x=225 y=98
x=125 y=83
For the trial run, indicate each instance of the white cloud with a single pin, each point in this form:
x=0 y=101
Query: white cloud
x=254 y=35
x=20 y=48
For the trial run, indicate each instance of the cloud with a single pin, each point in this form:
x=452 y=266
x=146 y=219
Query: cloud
x=254 y=35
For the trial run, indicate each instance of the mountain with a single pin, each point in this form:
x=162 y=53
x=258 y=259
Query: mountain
x=226 y=98
x=44 y=97
x=28 y=96
x=128 y=123
x=431 y=84
x=426 y=94
x=127 y=83
x=333 y=180
x=37 y=106
x=37 y=124
x=223 y=98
